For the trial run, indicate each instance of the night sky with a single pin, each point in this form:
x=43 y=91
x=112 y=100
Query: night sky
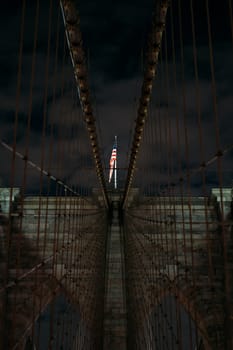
x=114 y=39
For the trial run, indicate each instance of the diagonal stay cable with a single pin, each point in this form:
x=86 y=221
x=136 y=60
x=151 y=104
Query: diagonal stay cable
x=38 y=168
x=154 y=43
x=74 y=39
x=183 y=177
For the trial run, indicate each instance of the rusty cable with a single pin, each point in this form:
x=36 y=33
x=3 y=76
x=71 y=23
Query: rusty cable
x=154 y=43
x=74 y=40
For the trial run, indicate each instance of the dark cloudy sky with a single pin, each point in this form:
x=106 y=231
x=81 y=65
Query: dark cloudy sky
x=114 y=38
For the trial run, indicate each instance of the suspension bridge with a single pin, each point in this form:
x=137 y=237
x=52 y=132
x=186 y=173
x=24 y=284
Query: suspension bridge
x=146 y=265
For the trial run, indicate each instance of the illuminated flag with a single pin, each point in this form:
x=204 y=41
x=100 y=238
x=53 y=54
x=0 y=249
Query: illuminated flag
x=113 y=159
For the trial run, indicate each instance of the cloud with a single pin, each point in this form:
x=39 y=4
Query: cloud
x=113 y=35
x=165 y=152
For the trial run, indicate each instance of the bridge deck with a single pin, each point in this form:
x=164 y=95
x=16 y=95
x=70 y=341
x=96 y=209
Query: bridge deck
x=115 y=306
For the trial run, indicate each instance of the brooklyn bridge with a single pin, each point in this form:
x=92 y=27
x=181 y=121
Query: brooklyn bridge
x=130 y=252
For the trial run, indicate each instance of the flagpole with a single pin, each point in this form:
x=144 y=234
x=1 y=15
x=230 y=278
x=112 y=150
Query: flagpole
x=115 y=167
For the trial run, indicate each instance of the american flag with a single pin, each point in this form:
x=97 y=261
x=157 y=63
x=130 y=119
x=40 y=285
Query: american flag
x=112 y=160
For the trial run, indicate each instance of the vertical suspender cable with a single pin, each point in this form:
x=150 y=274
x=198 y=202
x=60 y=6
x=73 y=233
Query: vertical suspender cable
x=3 y=323
x=228 y=330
